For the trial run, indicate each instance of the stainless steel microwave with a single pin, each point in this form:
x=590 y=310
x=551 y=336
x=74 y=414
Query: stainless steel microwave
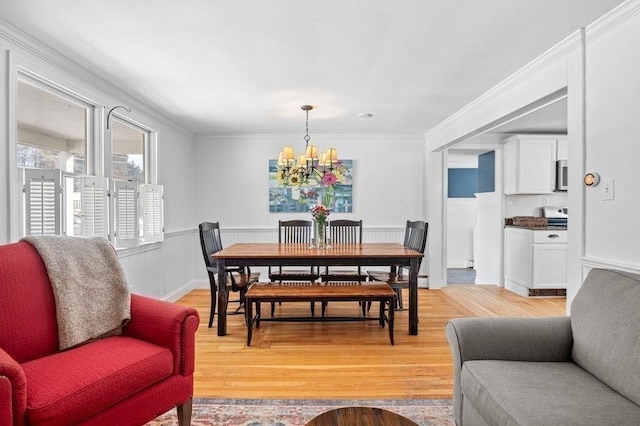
x=562 y=176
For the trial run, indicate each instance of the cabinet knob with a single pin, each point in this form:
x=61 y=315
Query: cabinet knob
x=553 y=236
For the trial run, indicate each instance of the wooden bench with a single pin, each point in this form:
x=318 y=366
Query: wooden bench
x=322 y=292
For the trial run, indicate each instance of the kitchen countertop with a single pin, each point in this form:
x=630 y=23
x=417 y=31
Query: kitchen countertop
x=539 y=228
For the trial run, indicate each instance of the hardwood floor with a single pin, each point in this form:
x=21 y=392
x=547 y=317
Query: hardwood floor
x=344 y=360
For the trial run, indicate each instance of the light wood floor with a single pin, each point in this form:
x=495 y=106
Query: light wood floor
x=344 y=360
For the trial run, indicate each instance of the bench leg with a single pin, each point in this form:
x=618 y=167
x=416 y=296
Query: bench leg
x=248 y=316
x=258 y=314
x=382 y=315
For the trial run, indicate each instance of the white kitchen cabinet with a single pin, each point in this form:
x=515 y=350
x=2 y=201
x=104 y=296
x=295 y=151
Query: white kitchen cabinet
x=530 y=164
x=534 y=260
x=562 y=149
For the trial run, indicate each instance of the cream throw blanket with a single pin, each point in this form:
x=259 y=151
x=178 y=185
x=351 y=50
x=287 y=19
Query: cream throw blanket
x=89 y=286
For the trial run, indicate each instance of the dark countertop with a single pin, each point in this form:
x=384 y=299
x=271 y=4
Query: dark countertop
x=538 y=228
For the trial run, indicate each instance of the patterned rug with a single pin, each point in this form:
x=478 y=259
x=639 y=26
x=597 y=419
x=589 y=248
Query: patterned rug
x=297 y=412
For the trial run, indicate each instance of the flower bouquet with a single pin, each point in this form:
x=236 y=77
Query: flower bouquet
x=320 y=216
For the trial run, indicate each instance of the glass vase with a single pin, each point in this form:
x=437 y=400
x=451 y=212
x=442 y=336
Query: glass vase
x=320 y=234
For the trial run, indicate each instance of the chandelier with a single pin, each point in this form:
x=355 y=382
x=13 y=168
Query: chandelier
x=307 y=169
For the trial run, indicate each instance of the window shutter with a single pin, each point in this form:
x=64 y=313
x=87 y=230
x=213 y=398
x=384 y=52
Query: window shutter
x=126 y=213
x=153 y=225
x=93 y=193
x=42 y=202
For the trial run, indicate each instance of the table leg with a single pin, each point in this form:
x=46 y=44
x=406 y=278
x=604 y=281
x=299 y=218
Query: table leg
x=413 y=297
x=223 y=298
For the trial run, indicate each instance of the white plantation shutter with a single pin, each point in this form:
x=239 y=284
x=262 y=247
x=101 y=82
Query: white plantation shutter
x=152 y=218
x=126 y=214
x=93 y=193
x=42 y=202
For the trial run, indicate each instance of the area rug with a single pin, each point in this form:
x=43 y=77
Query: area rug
x=297 y=412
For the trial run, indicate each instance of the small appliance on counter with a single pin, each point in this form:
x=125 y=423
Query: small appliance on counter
x=556 y=216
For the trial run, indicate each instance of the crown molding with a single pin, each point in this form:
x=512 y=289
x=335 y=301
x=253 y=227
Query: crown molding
x=379 y=136
x=50 y=57
x=552 y=56
x=612 y=19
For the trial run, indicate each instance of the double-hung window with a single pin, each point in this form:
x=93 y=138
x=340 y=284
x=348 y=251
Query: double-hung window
x=138 y=204
x=73 y=184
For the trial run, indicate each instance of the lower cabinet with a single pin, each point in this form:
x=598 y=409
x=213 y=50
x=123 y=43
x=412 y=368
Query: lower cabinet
x=535 y=261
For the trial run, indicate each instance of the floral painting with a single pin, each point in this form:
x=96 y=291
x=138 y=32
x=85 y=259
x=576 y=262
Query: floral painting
x=334 y=190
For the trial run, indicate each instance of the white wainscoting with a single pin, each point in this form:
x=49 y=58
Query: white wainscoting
x=588 y=263
x=164 y=270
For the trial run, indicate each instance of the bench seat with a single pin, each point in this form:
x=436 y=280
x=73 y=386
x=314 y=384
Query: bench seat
x=322 y=292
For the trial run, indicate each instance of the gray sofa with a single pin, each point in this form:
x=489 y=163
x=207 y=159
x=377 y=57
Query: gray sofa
x=578 y=370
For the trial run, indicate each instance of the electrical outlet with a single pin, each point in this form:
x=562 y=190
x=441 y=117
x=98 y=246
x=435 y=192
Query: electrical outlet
x=607 y=189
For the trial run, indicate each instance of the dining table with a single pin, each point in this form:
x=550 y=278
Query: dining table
x=392 y=255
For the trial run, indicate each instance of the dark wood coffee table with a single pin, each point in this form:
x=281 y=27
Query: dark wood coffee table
x=361 y=416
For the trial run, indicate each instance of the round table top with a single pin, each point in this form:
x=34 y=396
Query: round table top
x=361 y=416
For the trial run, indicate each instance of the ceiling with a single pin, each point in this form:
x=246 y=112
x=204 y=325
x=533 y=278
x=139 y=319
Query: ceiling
x=246 y=66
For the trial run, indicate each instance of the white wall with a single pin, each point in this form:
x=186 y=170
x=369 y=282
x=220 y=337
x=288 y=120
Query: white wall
x=231 y=183
x=158 y=270
x=612 y=83
x=461 y=217
x=388 y=184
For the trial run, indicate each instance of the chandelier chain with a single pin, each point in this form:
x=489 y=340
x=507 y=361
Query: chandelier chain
x=307 y=137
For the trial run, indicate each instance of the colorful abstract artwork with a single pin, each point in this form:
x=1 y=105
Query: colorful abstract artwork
x=334 y=190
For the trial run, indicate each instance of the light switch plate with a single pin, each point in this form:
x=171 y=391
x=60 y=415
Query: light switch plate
x=607 y=189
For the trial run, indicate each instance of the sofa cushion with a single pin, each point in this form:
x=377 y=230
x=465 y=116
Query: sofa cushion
x=542 y=393
x=66 y=387
x=605 y=321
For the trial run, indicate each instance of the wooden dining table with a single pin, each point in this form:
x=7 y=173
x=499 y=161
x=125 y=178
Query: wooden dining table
x=279 y=254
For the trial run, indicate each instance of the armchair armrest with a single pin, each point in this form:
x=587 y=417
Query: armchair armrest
x=165 y=324
x=510 y=339
x=13 y=390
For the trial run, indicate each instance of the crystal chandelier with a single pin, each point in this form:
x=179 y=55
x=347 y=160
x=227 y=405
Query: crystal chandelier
x=307 y=169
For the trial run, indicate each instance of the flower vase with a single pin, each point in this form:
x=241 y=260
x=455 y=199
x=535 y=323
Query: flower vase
x=320 y=228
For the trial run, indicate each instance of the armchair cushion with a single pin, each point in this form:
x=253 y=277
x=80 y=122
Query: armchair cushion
x=62 y=386
x=519 y=393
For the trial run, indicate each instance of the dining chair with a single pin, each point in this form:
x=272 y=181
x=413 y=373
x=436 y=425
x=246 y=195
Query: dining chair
x=415 y=238
x=344 y=232
x=294 y=232
x=238 y=278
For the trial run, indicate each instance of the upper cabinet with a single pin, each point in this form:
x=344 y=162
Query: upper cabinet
x=530 y=163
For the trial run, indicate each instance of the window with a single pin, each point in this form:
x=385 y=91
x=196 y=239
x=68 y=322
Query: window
x=138 y=205
x=62 y=193
x=128 y=151
x=53 y=128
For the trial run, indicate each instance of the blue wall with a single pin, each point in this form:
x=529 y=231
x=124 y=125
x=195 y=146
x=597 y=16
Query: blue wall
x=463 y=183
x=487 y=172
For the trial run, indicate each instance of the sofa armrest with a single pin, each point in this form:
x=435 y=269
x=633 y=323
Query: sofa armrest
x=506 y=339
x=511 y=339
x=165 y=324
x=13 y=391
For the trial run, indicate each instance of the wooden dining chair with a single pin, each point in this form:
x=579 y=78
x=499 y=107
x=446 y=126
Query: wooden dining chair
x=344 y=232
x=415 y=238
x=238 y=278
x=294 y=232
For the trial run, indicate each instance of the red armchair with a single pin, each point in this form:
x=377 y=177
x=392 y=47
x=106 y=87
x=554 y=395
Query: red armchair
x=125 y=380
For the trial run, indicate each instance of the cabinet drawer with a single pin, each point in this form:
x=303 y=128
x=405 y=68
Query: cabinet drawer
x=543 y=237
